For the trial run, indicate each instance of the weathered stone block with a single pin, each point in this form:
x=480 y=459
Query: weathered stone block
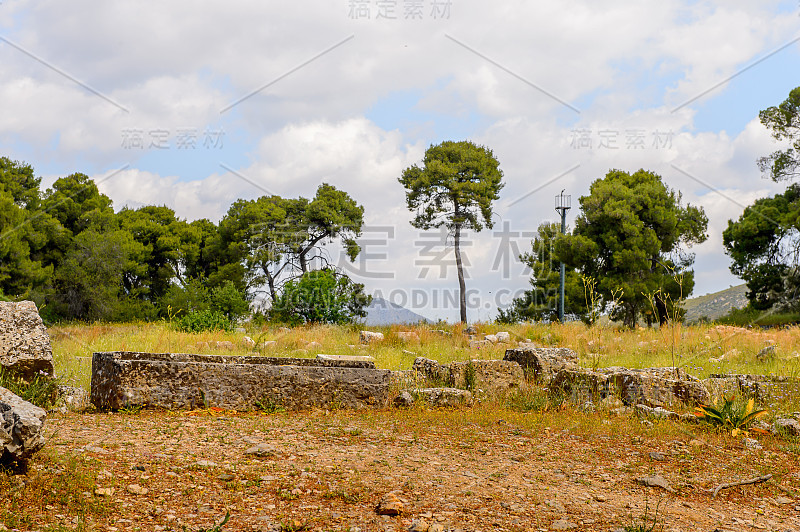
x=580 y=384
x=492 y=376
x=649 y=387
x=408 y=336
x=440 y=397
x=368 y=337
x=763 y=388
x=431 y=370
x=24 y=342
x=21 y=427
x=540 y=364
x=652 y=388
x=176 y=381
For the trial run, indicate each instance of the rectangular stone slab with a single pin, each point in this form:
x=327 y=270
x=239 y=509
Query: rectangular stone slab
x=179 y=381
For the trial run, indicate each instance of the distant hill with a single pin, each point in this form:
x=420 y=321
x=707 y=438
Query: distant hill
x=716 y=305
x=383 y=312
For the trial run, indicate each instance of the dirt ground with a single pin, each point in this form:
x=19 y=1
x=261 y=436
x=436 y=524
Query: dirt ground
x=486 y=469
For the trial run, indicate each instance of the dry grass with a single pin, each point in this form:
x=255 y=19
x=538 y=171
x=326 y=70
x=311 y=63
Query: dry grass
x=701 y=350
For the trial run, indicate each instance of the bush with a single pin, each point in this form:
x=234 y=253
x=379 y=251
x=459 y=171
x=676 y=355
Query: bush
x=320 y=296
x=204 y=320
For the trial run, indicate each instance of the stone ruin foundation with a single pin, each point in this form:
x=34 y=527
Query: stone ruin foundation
x=122 y=379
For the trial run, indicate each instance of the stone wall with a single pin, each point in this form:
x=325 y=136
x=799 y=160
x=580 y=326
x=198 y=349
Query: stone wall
x=178 y=381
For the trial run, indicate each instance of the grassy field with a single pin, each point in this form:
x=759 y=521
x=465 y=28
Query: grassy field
x=510 y=465
x=701 y=350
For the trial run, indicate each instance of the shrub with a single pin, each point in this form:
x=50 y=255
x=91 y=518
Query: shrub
x=204 y=320
x=320 y=296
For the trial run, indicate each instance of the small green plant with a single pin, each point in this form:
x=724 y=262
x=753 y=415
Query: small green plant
x=42 y=390
x=215 y=528
x=268 y=405
x=731 y=415
x=469 y=375
x=204 y=320
x=645 y=525
x=131 y=409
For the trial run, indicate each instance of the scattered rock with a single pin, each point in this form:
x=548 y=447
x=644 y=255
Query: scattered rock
x=408 y=336
x=404 y=399
x=104 y=492
x=784 y=500
x=261 y=450
x=205 y=463
x=419 y=525
x=136 y=489
x=563 y=524
x=656 y=481
x=766 y=353
x=491 y=338
x=368 y=337
x=224 y=344
x=471 y=330
x=225 y=477
x=390 y=504
x=657 y=456
x=73 y=397
x=248 y=342
x=310 y=346
x=24 y=343
x=657 y=413
x=789 y=425
x=269 y=344
x=503 y=337
x=751 y=444
x=202 y=345
x=479 y=344
x=21 y=427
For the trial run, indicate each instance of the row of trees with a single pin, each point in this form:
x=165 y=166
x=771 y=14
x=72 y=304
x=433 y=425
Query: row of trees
x=71 y=252
x=628 y=252
x=764 y=242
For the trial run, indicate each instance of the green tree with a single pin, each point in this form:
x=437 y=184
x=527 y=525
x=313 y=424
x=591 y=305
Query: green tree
x=763 y=245
x=170 y=244
x=454 y=188
x=784 y=123
x=270 y=240
x=88 y=285
x=540 y=302
x=630 y=237
x=320 y=296
x=19 y=273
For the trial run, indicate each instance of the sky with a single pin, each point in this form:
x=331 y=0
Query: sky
x=196 y=105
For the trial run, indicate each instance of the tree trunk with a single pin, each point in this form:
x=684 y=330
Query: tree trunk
x=462 y=296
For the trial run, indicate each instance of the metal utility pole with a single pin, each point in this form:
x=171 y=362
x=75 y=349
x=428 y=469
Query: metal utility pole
x=563 y=204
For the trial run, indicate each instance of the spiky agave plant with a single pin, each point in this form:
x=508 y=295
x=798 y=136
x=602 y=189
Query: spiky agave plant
x=730 y=415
